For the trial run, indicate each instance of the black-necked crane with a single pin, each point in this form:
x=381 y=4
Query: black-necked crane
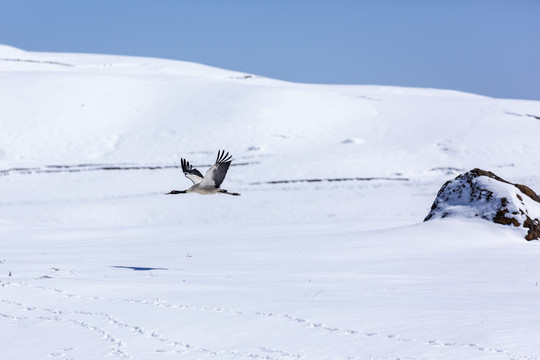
x=211 y=182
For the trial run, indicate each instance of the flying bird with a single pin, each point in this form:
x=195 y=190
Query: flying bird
x=211 y=182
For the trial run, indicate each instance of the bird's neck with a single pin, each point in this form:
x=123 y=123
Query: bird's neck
x=174 y=192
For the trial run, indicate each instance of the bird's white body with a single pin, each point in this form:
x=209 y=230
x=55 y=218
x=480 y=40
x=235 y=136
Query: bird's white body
x=196 y=188
x=211 y=182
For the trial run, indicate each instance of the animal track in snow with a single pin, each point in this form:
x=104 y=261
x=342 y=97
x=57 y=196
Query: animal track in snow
x=264 y=352
x=88 y=320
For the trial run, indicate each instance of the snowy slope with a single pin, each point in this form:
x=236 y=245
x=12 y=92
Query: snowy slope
x=111 y=109
x=324 y=255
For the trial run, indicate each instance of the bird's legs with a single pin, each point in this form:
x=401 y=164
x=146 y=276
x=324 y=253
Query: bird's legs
x=223 y=191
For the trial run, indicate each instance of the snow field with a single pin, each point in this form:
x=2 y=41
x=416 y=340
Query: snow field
x=297 y=291
x=324 y=255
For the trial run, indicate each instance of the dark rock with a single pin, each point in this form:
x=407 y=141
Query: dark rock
x=482 y=194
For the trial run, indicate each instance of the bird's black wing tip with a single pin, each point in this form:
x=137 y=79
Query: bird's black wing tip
x=185 y=164
x=223 y=157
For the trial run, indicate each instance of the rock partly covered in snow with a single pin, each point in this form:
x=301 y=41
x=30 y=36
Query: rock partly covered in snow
x=482 y=194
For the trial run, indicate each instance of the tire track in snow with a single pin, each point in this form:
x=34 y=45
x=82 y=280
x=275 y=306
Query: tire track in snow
x=55 y=169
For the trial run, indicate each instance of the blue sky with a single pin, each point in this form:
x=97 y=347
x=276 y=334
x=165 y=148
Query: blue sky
x=488 y=47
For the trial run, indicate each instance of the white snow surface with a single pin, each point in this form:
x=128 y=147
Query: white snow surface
x=324 y=256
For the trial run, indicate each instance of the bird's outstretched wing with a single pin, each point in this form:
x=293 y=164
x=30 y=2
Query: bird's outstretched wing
x=191 y=173
x=216 y=174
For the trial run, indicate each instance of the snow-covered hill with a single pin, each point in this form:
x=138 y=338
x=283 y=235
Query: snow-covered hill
x=324 y=255
x=70 y=109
